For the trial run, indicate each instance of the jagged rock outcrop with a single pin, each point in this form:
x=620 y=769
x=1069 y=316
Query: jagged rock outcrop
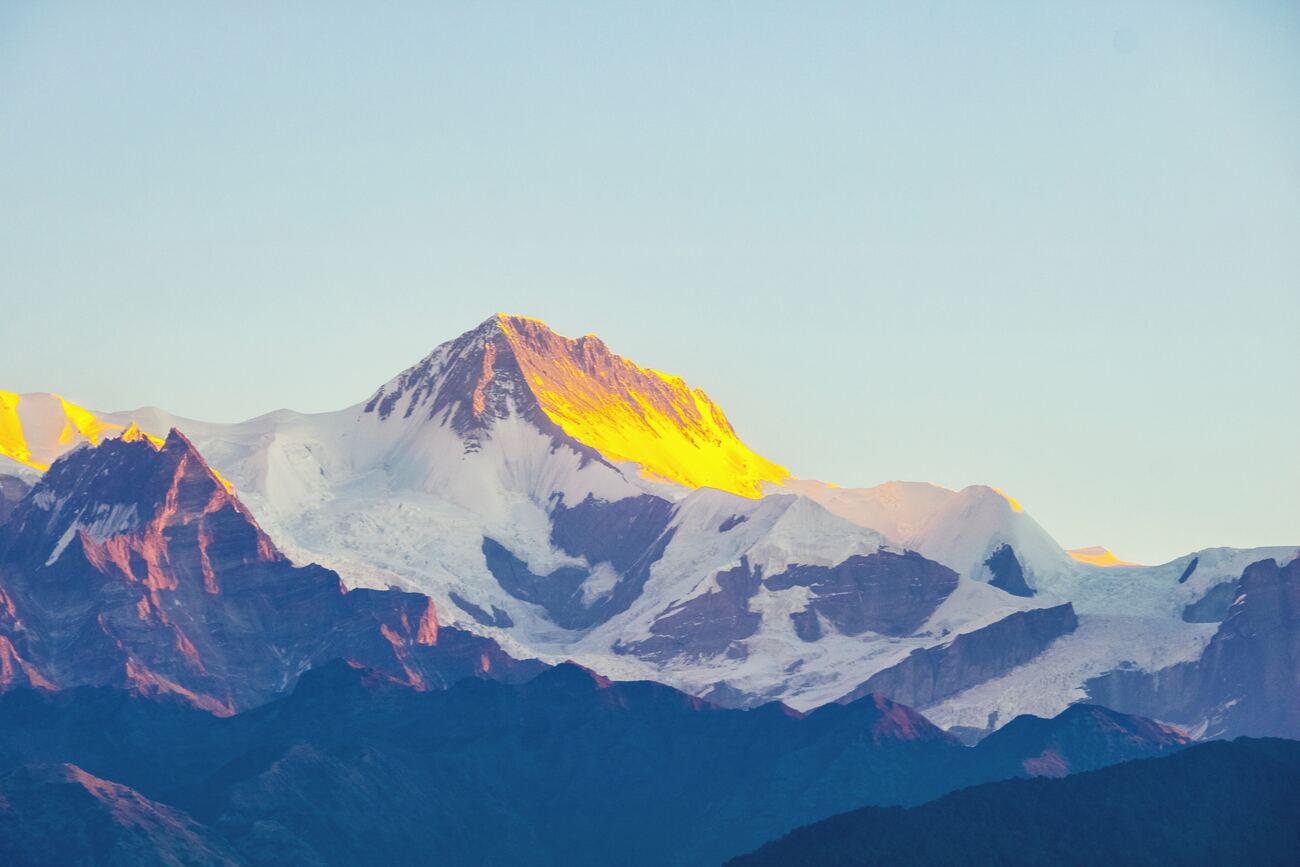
x=626 y=536
x=709 y=624
x=135 y=565
x=1214 y=605
x=1007 y=572
x=929 y=675
x=886 y=593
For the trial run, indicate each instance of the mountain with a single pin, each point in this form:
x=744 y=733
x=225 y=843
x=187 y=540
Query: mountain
x=133 y=564
x=571 y=504
x=62 y=815
x=1083 y=737
x=1248 y=679
x=1215 y=803
x=355 y=767
x=1130 y=619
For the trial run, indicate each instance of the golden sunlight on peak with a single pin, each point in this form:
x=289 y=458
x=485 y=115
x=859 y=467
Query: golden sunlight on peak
x=504 y=318
x=632 y=413
x=1098 y=556
x=1011 y=501
x=13 y=443
x=222 y=480
x=36 y=428
x=134 y=434
x=83 y=424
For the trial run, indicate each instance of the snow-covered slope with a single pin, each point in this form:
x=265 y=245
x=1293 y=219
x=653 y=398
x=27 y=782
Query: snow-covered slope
x=37 y=428
x=1097 y=555
x=573 y=504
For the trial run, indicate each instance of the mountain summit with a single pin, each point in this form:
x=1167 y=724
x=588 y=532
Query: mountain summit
x=581 y=390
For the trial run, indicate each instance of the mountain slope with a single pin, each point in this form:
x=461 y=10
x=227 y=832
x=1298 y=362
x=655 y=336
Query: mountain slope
x=1083 y=737
x=62 y=815
x=1246 y=798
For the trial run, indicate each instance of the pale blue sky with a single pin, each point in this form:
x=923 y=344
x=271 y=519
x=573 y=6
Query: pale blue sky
x=1054 y=247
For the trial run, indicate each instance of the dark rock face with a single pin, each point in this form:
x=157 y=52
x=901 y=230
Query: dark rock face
x=1214 y=605
x=497 y=618
x=929 y=675
x=137 y=567
x=732 y=523
x=1215 y=803
x=708 y=624
x=1247 y=681
x=1008 y=574
x=887 y=593
x=624 y=533
x=1190 y=568
x=807 y=625
x=629 y=534
x=12 y=490
x=559 y=593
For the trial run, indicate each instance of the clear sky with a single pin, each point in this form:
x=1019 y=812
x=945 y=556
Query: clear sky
x=1049 y=246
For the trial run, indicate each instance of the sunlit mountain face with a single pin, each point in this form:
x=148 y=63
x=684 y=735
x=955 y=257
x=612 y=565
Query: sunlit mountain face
x=632 y=413
x=37 y=428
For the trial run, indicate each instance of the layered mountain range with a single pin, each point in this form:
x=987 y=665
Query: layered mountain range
x=353 y=767
x=562 y=502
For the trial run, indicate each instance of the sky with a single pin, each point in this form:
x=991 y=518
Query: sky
x=1050 y=247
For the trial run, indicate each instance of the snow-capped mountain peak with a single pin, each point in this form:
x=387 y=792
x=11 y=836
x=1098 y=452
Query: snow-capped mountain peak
x=581 y=394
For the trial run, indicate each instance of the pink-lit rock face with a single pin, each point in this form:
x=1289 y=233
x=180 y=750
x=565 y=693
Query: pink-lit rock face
x=133 y=564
